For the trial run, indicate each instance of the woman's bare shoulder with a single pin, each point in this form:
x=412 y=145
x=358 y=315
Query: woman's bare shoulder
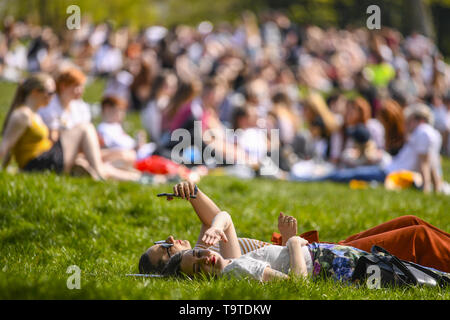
x=21 y=115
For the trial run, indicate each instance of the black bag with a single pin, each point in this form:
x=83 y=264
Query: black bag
x=393 y=271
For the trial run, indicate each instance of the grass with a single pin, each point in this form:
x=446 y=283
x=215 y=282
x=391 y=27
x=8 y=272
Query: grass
x=49 y=222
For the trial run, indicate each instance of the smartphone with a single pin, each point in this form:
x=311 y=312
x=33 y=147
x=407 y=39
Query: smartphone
x=173 y=195
x=144 y=275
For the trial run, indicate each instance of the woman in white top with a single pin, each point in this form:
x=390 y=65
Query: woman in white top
x=298 y=258
x=156 y=256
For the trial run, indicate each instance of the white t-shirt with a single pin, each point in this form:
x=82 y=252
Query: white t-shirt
x=151 y=117
x=108 y=59
x=253 y=141
x=253 y=263
x=115 y=137
x=424 y=140
x=55 y=117
x=377 y=132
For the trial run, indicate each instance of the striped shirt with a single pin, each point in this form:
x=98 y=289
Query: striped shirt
x=247 y=245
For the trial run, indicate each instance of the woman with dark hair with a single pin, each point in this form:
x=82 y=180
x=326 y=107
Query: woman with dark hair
x=358 y=113
x=140 y=88
x=179 y=109
x=180 y=112
x=156 y=256
x=408 y=237
x=26 y=137
x=297 y=259
x=391 y=116
x=163 y=88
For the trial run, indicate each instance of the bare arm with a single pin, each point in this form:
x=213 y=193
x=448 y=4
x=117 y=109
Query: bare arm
x=203 y=206
x=271 y=274
x=222 y=230
x=436 y=178
x=425 y=170
x=15 y=128
x=54 y=135
x=296 y=257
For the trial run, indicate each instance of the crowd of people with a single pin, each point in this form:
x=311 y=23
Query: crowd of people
x=348 y=104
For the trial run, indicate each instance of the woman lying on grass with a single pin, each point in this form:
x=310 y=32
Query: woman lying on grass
x=298 y=258
x=408 y=237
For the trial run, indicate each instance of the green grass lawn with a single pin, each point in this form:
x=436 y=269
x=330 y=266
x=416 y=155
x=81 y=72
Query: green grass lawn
x=49 y=222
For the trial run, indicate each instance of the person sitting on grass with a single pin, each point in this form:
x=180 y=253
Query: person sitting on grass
x=419 y=154
x=297 y=259
x=66 y=110
x=408 y=237
x=26 y=137
x=113 y=137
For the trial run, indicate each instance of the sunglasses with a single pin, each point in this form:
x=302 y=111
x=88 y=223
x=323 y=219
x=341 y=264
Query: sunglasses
x=48 y=93
x=165 y=245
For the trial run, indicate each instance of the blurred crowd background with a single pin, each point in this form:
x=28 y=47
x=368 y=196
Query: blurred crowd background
x=339 y=93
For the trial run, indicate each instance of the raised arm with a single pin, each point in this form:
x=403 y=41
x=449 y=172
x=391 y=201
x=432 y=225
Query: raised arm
x=222 y=230
x=203 y=206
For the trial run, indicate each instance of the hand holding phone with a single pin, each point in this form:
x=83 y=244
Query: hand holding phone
x=173 y=195
x=185 y=190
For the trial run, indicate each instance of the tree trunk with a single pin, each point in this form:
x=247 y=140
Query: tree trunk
x=418 y=17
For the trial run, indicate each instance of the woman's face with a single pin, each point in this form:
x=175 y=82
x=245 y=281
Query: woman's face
x=73 y=91
x=43 y=96
x=198 y=261
x=157 y=252
x=114 y=114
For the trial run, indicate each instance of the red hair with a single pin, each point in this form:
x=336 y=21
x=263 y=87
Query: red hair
x=114 y=102
x=71 y=76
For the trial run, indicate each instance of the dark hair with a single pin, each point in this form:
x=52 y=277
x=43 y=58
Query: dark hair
x=185 y=92
x=359 y=133
x=236 y=115
x=281 y=97
x=145 y=265
x=158 y=84
x=173 y=266
x=363 y=107
x=391 y=116
x=34 y=82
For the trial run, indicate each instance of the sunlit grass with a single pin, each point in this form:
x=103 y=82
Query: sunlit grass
x=49 y=222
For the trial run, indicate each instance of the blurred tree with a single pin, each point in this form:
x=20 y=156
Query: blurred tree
x=419 y=17
x=430 y=17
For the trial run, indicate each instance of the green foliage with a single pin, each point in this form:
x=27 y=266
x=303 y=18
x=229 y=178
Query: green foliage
x=325 y=13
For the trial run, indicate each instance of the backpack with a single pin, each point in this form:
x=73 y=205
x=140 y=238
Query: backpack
x=383 y=269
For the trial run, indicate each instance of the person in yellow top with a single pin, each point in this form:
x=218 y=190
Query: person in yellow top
x=26 y=137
